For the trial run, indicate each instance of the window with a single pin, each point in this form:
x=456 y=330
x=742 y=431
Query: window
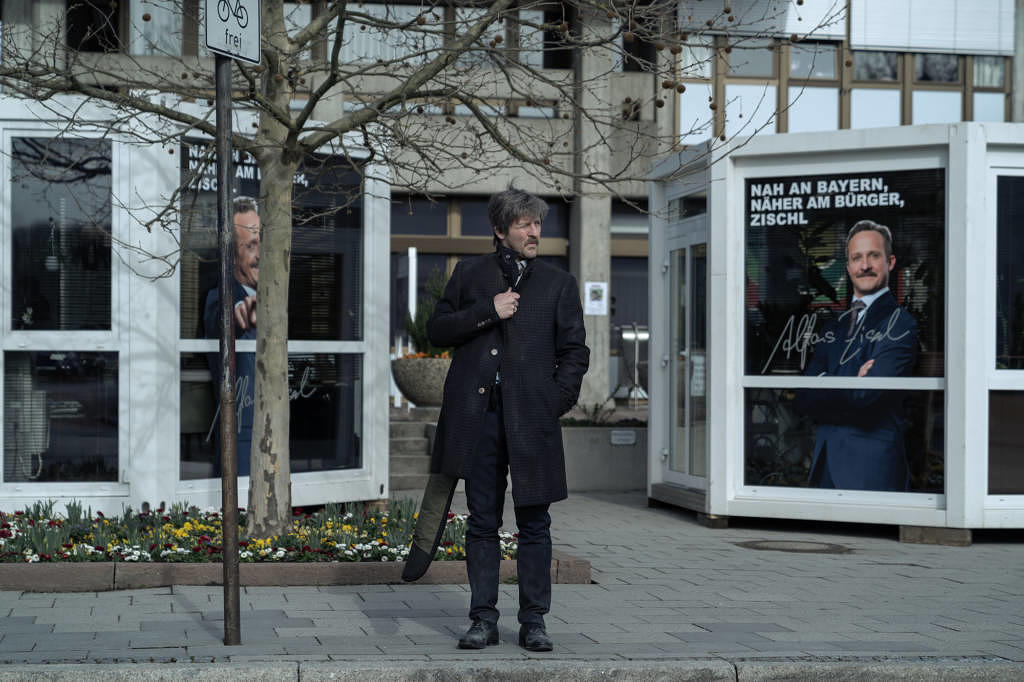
x=753 y=59
x=60 y=416
x=60 y=225
x=812 y=60
x=936 y=68
x=798 y=323
x=155 y=28
x=60 y=400
x=876 y=66
x=989 y=72
x=937 y=106
x=1009 y=272
x=324 y=310
x=388 y=32
x=697 y=62
x=411 y=215
x=557 y=52
x=93 y=26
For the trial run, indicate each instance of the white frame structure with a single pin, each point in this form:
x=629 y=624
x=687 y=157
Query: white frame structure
x=973 y=155
x=145 y=328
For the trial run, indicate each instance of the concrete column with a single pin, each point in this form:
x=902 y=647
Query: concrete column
x=590 y=225
x=1017 y=84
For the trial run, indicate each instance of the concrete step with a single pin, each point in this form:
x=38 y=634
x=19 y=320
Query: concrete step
x=407 y=429
x=409 y=446
x=402 y=465
x=415 y=482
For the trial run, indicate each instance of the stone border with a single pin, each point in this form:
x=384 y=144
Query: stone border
x=108 y=575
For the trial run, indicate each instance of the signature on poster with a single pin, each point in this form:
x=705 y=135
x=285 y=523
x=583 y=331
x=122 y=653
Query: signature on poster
x=243 y=398
x=798 y=336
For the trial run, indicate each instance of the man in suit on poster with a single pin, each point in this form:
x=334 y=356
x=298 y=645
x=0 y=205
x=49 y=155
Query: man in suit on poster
x=520 y=355
x=246 y=277
x=859 y=438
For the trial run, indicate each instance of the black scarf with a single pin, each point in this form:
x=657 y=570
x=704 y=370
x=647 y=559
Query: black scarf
x=508 y=260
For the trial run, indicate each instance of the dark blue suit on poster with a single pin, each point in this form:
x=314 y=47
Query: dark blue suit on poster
x=859 y=438
x=245 y=375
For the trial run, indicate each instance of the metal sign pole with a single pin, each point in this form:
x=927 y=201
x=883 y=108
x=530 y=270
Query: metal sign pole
x=228 y=433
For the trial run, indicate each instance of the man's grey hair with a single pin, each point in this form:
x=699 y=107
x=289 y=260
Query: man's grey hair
x=866 y=225
x=243 y=204
x=507 y=207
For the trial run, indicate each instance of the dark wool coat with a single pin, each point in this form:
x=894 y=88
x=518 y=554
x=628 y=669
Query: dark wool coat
x=542 y=355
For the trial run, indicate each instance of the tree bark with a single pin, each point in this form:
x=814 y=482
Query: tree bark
x=270 y=498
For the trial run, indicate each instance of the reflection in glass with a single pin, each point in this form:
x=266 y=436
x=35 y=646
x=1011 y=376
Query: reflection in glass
x=936 y=68
x=812 y=60
x=326 y=414
x=989 y=72
x=60 y=416
x=780 y=441
x=698 y=418
x=60 y=220
x=1009 y=272
x=876 y=66
x=752 y=58
x=1005 y=443
x=696 y=61
x=325 y=282
x=410 y=215
x=680 y=360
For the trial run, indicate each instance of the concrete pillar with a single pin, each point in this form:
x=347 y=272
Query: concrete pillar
x=1017 y=84
x=590 y=224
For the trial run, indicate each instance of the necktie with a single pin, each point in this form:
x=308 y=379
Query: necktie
x=855 y=308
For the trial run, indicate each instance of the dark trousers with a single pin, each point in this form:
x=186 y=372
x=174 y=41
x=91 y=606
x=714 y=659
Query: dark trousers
x=485 y=496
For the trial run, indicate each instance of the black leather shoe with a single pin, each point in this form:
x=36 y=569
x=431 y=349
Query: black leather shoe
x=480 y=635
x=533 y=637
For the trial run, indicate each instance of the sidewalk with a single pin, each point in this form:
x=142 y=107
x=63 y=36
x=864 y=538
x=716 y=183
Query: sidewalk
x=672 y=599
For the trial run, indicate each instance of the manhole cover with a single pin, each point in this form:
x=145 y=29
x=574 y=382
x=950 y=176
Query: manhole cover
x=801 y=546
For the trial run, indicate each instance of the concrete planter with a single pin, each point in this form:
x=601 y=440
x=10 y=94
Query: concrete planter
x=421 y=380
x=605 y=457
x=105 y=576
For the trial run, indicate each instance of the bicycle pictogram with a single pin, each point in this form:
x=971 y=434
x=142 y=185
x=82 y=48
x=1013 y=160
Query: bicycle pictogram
x=224 y=10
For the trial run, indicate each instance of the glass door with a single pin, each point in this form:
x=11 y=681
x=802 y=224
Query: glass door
x=687 y=460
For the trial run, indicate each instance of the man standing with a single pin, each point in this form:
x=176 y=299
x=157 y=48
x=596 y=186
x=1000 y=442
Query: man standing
x=859 y=441
x=246 y=221
x=519 y=360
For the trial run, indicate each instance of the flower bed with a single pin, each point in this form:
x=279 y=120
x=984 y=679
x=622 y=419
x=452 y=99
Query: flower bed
x=185 y=534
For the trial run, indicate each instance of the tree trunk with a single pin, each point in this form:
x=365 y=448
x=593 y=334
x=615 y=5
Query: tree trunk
x=270 y=498
x=270 y=495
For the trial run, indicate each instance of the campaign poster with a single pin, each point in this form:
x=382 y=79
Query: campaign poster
x=845 y=277
x=324 y=305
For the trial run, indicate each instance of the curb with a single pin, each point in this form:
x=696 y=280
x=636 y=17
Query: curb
x=110 y=575
x=526 y=671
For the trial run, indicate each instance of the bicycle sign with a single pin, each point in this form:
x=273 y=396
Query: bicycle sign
x=233 y=29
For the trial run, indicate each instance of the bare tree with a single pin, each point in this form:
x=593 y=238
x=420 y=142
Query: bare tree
x=440 y=90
